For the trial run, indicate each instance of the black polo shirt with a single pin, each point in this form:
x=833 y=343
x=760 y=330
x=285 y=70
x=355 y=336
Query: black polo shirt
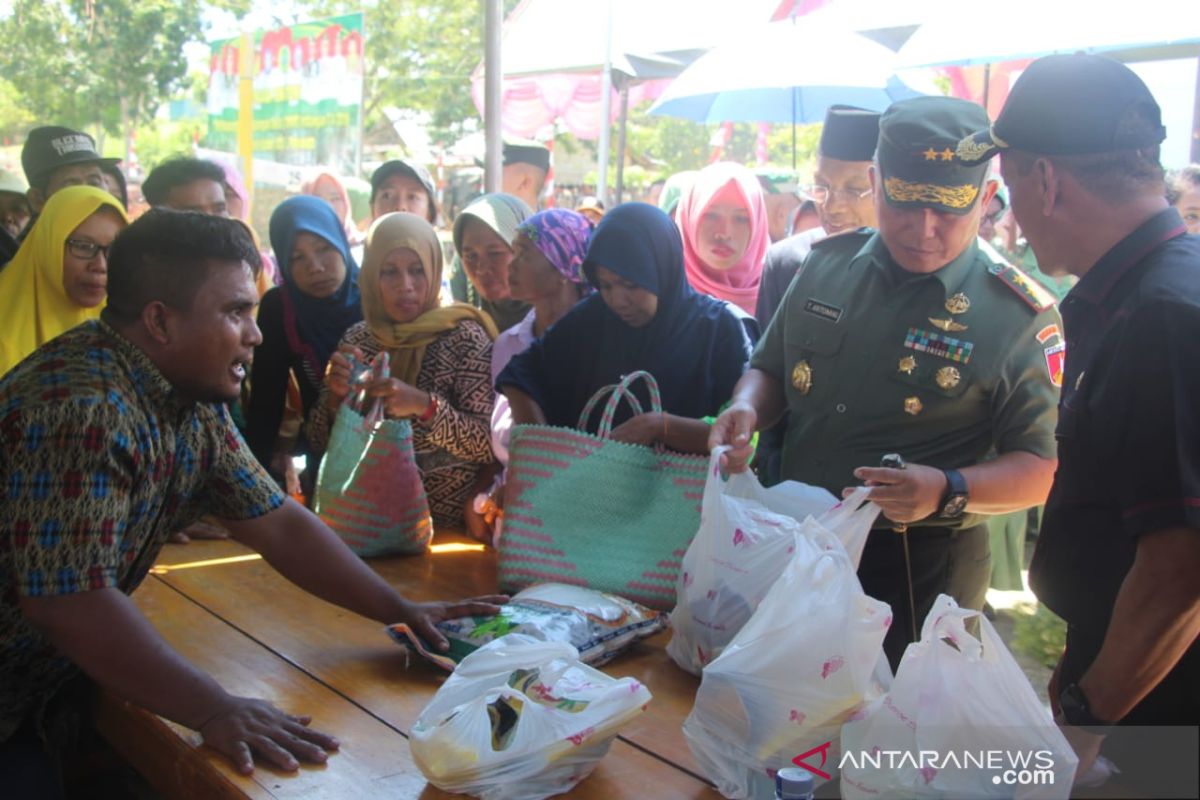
x=1129 y=421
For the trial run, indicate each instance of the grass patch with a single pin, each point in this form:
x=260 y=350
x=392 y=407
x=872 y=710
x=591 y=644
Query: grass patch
x=1038 y=633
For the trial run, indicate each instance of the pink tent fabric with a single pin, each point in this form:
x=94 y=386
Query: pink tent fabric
x=531 y=103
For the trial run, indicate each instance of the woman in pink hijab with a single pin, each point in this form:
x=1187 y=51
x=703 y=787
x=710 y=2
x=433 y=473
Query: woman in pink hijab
x=723 y=219
x=329 y=187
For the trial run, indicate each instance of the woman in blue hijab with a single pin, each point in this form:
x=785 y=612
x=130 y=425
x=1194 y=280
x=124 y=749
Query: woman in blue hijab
x=302 y=320
x=644 y=316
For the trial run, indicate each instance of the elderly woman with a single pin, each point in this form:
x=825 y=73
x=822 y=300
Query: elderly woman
x=440 y=362
x=59 y=277
x=547 y=272
x=644 y=316
x=723 y=220
x=483 y=240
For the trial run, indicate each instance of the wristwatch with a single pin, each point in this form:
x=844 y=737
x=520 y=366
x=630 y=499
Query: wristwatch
x=1075 y=710
x=954 y=502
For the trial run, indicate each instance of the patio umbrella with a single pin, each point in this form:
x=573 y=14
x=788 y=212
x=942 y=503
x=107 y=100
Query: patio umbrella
x=1142 y=31
x=788 y=71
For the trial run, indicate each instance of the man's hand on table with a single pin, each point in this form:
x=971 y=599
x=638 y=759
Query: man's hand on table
x=423 y=617
x=246 y=728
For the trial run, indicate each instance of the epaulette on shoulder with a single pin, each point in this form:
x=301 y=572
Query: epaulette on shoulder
x=1035 y=295
x=859 y=237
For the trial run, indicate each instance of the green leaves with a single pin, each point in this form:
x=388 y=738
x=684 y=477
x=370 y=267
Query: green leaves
x=102 y=63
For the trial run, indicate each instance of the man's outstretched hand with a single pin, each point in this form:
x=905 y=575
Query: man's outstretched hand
x=247 y=729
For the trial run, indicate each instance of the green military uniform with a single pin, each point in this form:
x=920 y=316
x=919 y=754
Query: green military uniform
x=867 y=370
x=947 y=368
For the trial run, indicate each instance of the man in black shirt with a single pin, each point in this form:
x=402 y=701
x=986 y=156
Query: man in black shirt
x=1119 y=553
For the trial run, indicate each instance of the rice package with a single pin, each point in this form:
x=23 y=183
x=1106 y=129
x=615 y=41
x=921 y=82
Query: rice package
x=597 y=624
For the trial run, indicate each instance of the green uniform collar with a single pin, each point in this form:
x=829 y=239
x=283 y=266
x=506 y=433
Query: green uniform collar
x=952 y=276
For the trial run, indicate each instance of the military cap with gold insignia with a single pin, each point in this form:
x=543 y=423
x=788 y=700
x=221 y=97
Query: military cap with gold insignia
x=1075 y=104
x=918 y=160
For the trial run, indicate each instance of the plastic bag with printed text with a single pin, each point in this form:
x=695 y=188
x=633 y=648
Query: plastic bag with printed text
x=746 y=536
x=597 y=624
x=960 y=720
x=521 y=719
x=810 y=658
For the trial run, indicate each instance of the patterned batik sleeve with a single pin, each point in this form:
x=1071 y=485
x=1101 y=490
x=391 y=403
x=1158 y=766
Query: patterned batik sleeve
x=239 y=487
x=68 y=502
x=463 y=422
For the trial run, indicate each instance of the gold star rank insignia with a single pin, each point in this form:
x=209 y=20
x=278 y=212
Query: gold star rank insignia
x=930 y=154
x=802 y=377
x=907 y=365
x=958 y=304
x=947 y=154
x=913 y=406
x=947 y=377
x=948 y=325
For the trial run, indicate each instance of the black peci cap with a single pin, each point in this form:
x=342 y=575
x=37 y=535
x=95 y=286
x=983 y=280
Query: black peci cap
x=850 y=134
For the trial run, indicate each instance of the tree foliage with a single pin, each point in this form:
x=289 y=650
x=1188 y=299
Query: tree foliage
x=420 y=55
x=104 y=64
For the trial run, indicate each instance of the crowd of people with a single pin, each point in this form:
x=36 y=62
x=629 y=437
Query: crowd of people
x=1014 y=337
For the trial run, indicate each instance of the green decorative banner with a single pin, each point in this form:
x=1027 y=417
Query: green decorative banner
x=308 y=92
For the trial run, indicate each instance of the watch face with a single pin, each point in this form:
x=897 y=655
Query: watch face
x=955 y=505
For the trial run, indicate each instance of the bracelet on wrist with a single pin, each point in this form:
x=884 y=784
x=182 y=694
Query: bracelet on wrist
x=430 y=410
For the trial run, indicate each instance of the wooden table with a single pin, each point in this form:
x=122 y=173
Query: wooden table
x=232 y=615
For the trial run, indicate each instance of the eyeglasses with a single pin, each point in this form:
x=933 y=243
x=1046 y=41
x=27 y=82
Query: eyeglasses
x=81 y=248
x=823 y=194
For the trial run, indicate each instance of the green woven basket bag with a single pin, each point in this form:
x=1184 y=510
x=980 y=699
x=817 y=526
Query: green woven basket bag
x=585 y=510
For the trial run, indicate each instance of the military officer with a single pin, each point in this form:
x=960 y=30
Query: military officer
x=913 y=340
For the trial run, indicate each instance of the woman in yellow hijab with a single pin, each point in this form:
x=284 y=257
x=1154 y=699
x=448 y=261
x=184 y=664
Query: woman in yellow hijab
x=440 y=362
x=59 y=277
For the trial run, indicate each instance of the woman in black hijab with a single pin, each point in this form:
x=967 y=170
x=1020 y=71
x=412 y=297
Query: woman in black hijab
x=644 y=316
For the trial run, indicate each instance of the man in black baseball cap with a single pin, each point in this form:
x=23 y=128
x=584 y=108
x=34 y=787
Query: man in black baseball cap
x=403 y=185
x=55 y=157
x=1119 y=548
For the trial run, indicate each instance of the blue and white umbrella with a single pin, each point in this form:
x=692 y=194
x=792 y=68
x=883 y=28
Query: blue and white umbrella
x=792 y=70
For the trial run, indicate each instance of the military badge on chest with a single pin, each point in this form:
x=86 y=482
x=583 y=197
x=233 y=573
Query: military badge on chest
x=802 y=377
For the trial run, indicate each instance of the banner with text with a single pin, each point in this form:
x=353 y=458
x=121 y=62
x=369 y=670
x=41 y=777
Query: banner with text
x=308 y=93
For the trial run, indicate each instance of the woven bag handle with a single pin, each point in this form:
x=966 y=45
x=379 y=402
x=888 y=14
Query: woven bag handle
x=624 y=390
x=600 y=394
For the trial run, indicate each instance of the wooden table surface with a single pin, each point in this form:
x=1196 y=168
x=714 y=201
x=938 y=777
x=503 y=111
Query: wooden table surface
x=231 y=614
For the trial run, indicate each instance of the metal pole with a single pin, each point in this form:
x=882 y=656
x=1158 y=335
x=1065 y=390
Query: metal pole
x=605 y=110
x=624 y=120
x=1195 y=151
x=362 y=104
x=493 y=76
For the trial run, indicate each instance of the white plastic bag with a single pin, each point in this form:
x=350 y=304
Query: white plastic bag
x=967 y=705
x=521 y=719
x=809 y=658
x=744 y=542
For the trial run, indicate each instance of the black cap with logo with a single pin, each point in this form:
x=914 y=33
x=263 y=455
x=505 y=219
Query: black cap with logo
x=918 y=162
x=1075 y=104
x=53 y=146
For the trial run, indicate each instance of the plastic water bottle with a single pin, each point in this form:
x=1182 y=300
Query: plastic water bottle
x=793 y=783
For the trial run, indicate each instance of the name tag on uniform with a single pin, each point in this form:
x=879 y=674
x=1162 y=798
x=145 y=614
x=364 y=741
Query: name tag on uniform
x=822 y=310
